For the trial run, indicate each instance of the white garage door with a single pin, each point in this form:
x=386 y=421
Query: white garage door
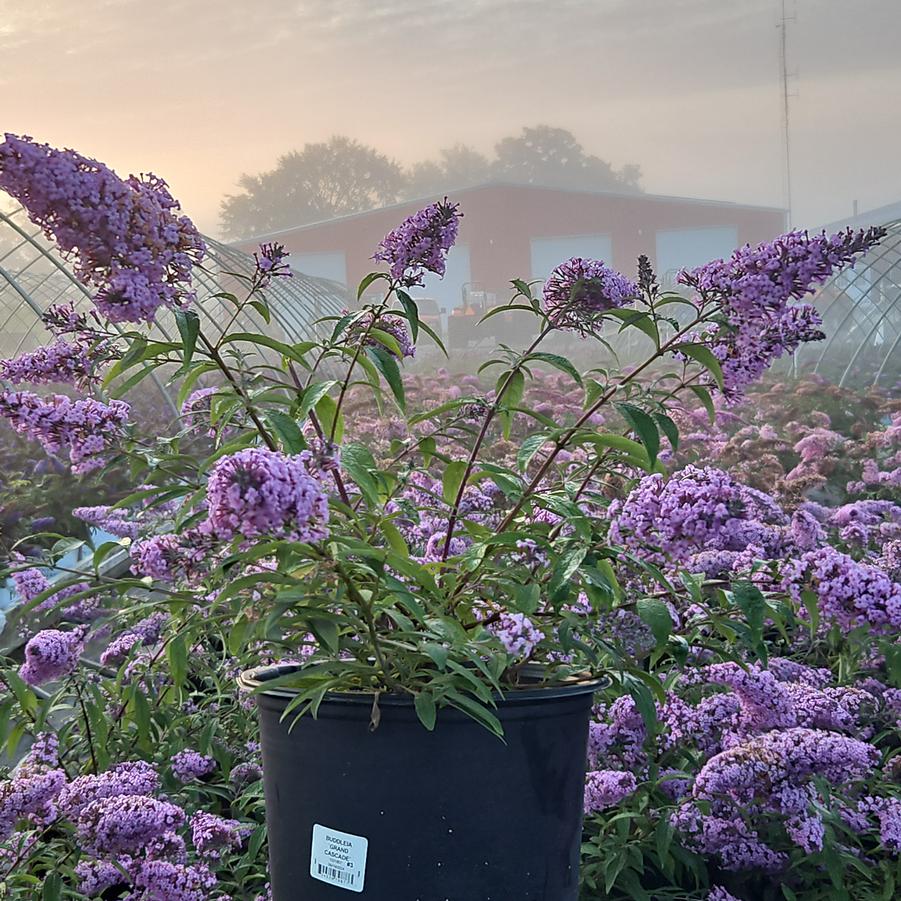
x=548 y=253
x=686 y=248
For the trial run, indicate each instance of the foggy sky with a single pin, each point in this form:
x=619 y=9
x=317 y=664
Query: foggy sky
x=200 y=91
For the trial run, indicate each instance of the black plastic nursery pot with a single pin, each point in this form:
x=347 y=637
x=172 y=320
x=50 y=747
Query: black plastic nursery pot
x=403 y=814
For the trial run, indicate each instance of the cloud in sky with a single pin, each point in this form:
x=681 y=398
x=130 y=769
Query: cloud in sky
x=203 y=91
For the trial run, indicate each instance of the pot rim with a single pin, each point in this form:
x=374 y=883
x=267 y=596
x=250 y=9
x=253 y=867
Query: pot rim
x=253 y=679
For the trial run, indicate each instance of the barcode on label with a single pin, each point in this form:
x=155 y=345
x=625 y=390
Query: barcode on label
x=338 y=858
x=337 y=875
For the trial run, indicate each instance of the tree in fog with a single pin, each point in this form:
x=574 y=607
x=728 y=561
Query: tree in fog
x=456 y=167
x=552 y=157
x=320 y=181
x=344 y=176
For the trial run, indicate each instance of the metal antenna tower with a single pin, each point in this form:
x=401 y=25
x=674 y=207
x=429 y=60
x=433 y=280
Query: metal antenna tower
x=784 y=19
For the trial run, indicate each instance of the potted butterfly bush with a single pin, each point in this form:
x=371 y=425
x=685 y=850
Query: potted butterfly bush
x=430 y=616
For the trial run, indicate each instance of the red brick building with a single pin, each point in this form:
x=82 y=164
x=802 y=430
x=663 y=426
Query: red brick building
x=522 y=231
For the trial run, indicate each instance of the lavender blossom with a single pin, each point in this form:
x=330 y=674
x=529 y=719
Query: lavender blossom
x=580 y=290
x=95 y=877
x=51 y=654
x=754 y=290
x=212 y=834
x=517 y=633
x=124 y=236
x=160 y=879
x=849 y=593
x=394 y=326
x=258 y=492
x=28 y=795
x=420 y=243
x=126 y=824
x=86 y=428
x=606 y=788
x=58 y=362
x=135 y=778
x=188 y=765
x=270 y=260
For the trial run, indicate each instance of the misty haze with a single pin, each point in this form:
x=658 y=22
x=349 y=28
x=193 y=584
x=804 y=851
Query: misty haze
x=450 y=450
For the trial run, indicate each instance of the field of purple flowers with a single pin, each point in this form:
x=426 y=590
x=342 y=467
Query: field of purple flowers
x=725 y=551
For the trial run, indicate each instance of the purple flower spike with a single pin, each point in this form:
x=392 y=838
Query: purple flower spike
x=578 y=291
x=52 y=654
x=124 y=235
x=420 y=243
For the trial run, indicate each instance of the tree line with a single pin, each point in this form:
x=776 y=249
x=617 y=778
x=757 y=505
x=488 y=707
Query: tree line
x=342 y=176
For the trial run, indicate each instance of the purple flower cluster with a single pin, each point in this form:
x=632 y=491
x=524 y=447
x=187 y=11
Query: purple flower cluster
x=124 y=235
x=126 y=824
x=420 y=243
x=755 y=288
x=123 y=780
x=606 y=788
x=211 y=834
x=270 y=261
x=161 y=880
x=258 y=492
x=697 y=511
x=119 y=522
x=774 y=774
x=85 y=428
x=393 y=326
x=188 y=765
x=196 y=410
x=169 y=557
x=52 y=654
x=849 y=593
x=58 y=362
x=517 y=633
x=580 y=290
x=146 y=632
x=31 y=582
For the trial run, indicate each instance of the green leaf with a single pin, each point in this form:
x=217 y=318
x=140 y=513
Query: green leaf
x=526 y=598
x=812 y=605
x=426 y=709
x=386 y=363
x=263 y=309
x=53 y=886
x=368 y=280
x=287 y=430
x=512 y=384
x=359 y=462
x=476 y=710
x=635 y=453
x=188 y=323
x=453 y=477
x=311 y=396
x=669 y=428
x=177 y=655
x=528 y=449
x=438 y=654
x=412 y=312
x=557 y=362
x=565 y=568
x=644 y=426
x=703 y=396
x=326 y=410
x=637 y=319
x=286 y=350
x=656 y=616
x=394 y=538
x=704 y=356
x=191 y=379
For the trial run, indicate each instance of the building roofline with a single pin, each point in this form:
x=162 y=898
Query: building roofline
x=506 y=183
x=880 y=215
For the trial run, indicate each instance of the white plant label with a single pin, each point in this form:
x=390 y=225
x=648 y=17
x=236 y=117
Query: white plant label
x=338 y=858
